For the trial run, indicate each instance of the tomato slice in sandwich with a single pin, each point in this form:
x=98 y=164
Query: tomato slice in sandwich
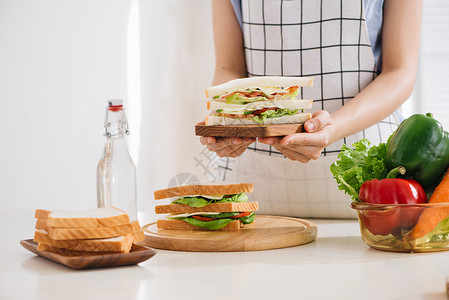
x=258 y=112
x=202 y=218
x=241 y=215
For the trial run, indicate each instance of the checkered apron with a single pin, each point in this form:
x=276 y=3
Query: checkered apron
x=325 y=39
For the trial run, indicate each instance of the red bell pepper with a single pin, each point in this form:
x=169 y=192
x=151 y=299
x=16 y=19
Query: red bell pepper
x=392 y=191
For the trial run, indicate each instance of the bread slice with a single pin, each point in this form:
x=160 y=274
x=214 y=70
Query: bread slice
x=101 y=217
x=290 y=104
x=117 y=244
x=226 y=121
x=58 y=233
x=213 y=207
x=67 y=252
x=254 y=82
x=185 y=190
x=183 y=225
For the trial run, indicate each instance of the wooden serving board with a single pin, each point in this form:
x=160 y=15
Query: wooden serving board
x=267 y=232
x=247 y=130
x=137 y=255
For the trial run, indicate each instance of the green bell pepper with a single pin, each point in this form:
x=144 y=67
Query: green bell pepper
x=422 y=146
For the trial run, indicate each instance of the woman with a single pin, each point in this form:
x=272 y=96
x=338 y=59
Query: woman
x=363 y=57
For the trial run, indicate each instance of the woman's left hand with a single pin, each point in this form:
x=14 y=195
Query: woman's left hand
x=307 y=145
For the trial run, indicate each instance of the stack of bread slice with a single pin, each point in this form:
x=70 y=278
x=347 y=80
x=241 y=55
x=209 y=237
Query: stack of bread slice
x=106 y=230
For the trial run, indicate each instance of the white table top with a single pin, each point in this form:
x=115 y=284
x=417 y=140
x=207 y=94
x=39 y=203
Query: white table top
x=338 y=265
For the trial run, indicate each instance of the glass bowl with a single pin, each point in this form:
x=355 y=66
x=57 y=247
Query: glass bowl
x=390 y=227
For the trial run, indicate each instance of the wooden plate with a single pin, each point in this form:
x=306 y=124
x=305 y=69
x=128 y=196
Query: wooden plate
x=267 y=232
x=247 y=130
x=137 y=255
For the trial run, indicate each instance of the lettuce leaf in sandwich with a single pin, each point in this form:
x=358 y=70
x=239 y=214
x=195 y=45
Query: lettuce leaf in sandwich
x=248 y=96
x=268 y=114
x=219 y=220
x=201 y=201
x=215 y=221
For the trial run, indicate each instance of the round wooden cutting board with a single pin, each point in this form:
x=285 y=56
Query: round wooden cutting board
x=267 y=232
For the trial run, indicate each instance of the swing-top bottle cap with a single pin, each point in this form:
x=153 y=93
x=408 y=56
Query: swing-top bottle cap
x=115 y=124
x=115 y=105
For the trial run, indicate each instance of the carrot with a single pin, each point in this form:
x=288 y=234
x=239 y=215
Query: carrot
x=430 y=217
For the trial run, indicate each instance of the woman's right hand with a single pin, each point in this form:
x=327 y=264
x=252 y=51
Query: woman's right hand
x=227 y=147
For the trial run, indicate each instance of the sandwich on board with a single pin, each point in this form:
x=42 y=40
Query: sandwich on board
x=206 y=207
x=258 y=100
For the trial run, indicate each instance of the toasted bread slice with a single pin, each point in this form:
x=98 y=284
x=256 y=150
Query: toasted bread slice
x=227 y=121
x=183 y=225
x=213 y=207
x=101 y=217
x=57 y=233
x=66 y=252
x=185 y=190
x=117 y=244
x=257 y=81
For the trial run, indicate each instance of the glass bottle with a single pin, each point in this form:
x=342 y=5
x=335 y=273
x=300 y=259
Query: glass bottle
x=116 y=172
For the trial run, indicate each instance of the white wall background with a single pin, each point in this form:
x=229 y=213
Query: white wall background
x=432 y=89
x=61 y=60
x=59 y=63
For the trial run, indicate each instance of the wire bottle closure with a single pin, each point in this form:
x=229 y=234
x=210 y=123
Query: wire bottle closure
x=114 y=111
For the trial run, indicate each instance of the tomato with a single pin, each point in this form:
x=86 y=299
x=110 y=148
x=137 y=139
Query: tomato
x=292 y=88
x=247 y=95
x=248 y=116
x=241 y=215
x=202 y=218
x=279 y=94
x=258 y=112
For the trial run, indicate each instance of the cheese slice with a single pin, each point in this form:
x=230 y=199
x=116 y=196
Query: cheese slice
x=193 y=214
x=270 y=90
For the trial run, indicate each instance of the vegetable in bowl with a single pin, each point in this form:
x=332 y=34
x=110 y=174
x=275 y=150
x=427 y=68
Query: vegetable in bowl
x=355 y=166
x=422 y=146
x=394 y=210
x=392 y=191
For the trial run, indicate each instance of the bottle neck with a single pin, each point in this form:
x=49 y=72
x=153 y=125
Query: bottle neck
x=116 y=148
x=116 y=124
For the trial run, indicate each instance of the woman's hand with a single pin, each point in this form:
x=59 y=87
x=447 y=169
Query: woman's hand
x=307 y=145
x=227 y=147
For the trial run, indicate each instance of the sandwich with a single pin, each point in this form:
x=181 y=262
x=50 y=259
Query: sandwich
x=206 y=207
x=258 y=100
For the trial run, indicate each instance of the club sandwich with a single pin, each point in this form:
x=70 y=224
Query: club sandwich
x=258 y=100
x=206 y=207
